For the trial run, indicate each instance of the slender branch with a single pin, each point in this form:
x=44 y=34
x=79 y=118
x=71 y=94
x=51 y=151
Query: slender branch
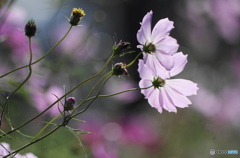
x=50 y=50
x=81 y=83
x=109 y=95
x=134 y=59
x=73 y=115
x=27 y=78
x=39 y=133
x=33 y=142
x=92 y=91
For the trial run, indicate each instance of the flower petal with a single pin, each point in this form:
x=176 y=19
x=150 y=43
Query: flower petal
x=167 y=46
x=178 y=99
x=166 y=61
x=167 y=102
x=161 y=29
x=144 y=33
x=155 y=100
x=155 y=67
x=144 y=71
x=145 y=84
x=180 y=61
x=183 y=86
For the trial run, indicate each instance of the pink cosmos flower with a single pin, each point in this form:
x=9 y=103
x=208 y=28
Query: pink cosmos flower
x=157 y=43
x=164 y=92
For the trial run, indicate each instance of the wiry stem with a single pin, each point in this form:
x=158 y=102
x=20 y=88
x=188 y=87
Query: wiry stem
x=81 y=83
x=50 y=50
x=27 y=78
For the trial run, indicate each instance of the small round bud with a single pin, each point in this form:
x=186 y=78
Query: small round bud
x=69 y=104
x=76 y=16
x=30 y=28
x=120 y=69
x=120 y=48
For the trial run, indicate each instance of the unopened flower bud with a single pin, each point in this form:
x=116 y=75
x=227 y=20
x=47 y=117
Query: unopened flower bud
x=69 y=104
x=30 y=28
x=120 y=48
x=120 y=69
x=76 y=16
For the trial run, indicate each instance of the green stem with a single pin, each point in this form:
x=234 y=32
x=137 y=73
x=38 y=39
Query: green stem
x=27 y=78
x=93 y=99
x=134 y=59
x=39 y=133
x=33 y=142
x=50 y=50
x=109 y=95
x=104 y=67
x=92 y=91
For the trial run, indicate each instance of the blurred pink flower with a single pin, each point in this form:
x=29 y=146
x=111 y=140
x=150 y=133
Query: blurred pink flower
x=140 y=130
x=220 y=108
x=226 y=15
x=5 y=150
x=12 y=35
x=164 y=92
x=222 y=13
x=110 y=137
x=100 y=146
x=43 y=99
x=157 y=43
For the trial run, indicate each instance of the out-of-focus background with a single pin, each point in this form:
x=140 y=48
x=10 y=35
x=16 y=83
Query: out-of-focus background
x=124 y=126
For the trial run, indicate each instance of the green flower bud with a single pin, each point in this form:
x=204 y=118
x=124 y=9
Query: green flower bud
x=120 y=69
x=120 y=48
x=69 y=104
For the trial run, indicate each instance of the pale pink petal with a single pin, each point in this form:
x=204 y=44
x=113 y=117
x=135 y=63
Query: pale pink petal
x=154 y=66
x=180 y=61
x=166 y=61
x=154 y=100
x=141 y=37
x=167 y=46
x=167 y=102
x=144 y=71
x=144 y=84
x=183 y=86
x=144 y=33
x=178 y=99
x=161 y=29
x=140 y=46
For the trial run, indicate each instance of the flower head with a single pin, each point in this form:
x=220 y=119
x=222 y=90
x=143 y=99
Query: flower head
x=120 y=69
x=69 y=104
x=76 y=16
x=120 y=48
x=157 y=42
x=30 y=28
x=165 y=93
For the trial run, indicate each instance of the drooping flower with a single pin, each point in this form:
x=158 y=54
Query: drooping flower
x=166 y=93
x=157 y=44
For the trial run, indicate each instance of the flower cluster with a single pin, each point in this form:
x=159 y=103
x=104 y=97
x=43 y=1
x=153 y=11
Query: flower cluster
x=161 y=61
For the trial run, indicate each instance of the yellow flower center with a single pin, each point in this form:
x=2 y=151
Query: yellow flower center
x=78 y=12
